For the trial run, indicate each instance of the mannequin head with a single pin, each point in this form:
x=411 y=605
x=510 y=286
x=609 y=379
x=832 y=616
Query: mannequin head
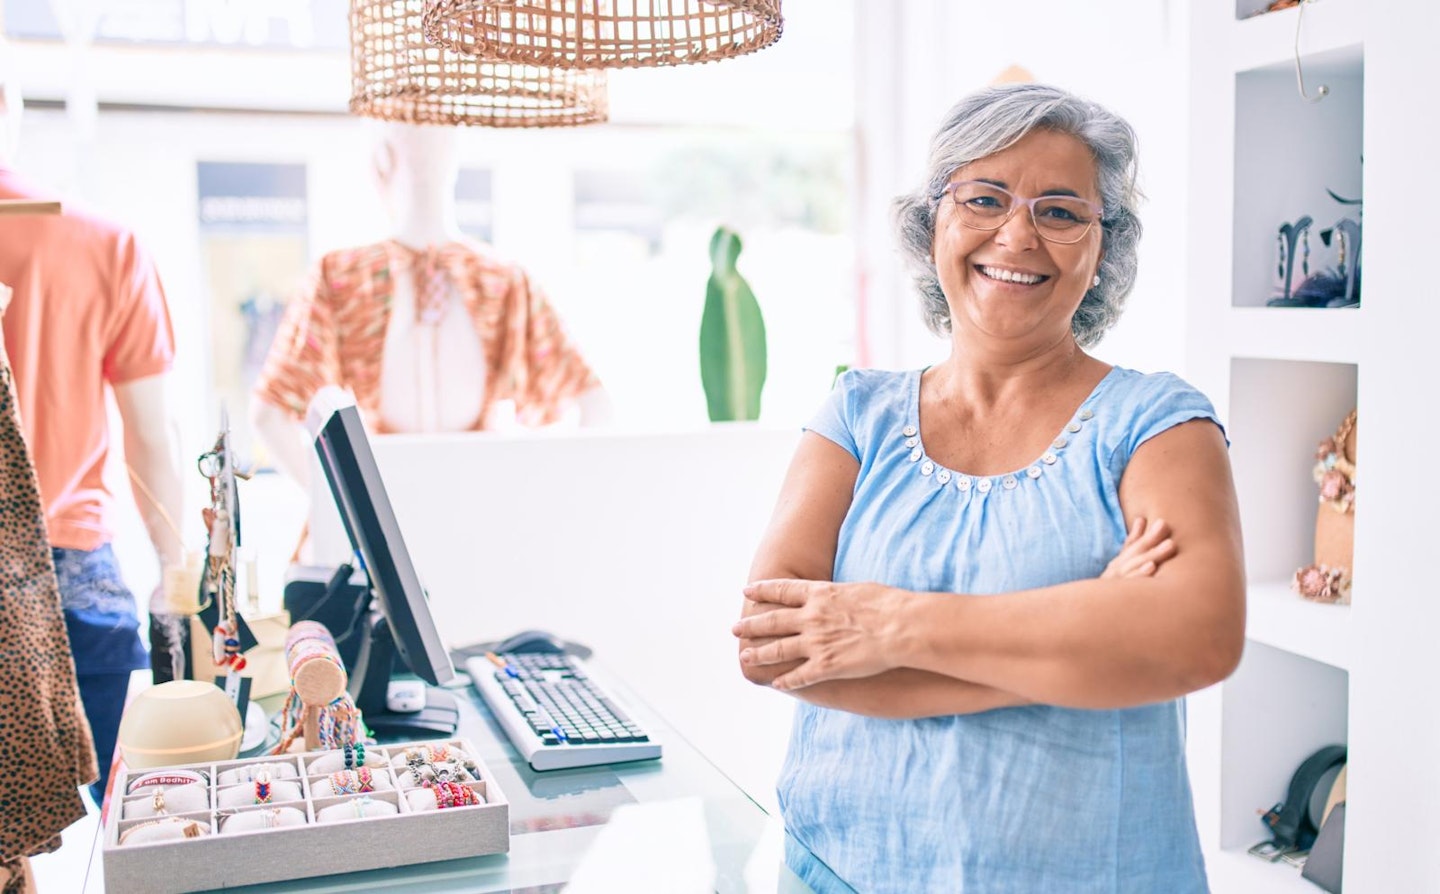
x=10 y=105
x=415 y=168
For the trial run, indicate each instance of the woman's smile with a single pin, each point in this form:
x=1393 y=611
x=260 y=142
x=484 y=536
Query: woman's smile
x=1010 y=276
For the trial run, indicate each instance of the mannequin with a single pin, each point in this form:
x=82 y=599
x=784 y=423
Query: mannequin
x=433 y=369
x=88 y=299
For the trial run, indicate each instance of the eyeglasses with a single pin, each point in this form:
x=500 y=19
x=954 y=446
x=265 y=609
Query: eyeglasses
x=984 y=206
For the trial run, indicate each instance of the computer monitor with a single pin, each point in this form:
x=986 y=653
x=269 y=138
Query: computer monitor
x=404 y=625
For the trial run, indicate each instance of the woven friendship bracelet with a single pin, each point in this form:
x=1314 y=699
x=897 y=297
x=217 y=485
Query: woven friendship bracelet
x=350 y=782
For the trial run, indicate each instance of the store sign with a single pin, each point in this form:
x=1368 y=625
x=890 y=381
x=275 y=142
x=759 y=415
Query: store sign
x=267 y=24
x=238 y=195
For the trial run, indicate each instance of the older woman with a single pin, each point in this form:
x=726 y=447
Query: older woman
x=983 y=708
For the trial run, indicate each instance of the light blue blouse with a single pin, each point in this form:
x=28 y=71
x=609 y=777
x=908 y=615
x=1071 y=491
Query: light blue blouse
x=1016 y=800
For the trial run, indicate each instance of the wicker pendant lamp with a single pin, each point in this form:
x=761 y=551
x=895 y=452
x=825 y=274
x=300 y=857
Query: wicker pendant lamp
x=589 y=34
x=397 y=76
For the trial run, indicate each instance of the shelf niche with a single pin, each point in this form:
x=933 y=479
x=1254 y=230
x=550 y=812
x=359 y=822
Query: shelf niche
x=1279 y=708
x=1287 y=153
x=1245 y=9
x=1279 y=411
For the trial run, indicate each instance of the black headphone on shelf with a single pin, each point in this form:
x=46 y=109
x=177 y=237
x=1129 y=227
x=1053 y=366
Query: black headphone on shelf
x=1295 y=822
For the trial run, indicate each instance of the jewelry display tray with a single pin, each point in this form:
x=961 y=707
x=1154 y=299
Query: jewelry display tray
x=224 y=860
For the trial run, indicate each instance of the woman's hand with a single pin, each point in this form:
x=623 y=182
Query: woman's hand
x=1146 y=548
x=836 y=631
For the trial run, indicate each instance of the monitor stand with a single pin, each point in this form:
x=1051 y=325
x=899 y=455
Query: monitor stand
x=437 y=720
x=370 y=680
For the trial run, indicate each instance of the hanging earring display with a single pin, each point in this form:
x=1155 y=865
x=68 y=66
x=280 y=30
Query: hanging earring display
x=1289 y=235
x=1348 y=234
x=1305 y=256
x=231 y=636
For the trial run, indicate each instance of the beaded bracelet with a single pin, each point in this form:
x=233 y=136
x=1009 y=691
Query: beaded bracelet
x=262 y=787
x=454 y=794
x=354 y=753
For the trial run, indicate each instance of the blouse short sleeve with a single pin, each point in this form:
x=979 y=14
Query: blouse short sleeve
x=304 y=356
x=555 y=371
x=834 y=421
x=1160 y=402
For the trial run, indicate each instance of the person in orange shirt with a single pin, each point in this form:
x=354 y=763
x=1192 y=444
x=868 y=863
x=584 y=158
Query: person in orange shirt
x=89 y=315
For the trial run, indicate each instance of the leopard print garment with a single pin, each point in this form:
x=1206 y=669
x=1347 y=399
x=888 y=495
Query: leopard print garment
x=46 y=753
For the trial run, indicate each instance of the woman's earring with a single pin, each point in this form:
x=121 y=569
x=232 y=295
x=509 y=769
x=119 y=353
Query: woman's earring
x=1096 y=281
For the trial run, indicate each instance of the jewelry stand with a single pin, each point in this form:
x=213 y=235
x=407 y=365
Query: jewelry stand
x=1289 y=235
x=1347 y=233
x=318 y=682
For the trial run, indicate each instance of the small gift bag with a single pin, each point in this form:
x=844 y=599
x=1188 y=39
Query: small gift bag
x=1328 y=580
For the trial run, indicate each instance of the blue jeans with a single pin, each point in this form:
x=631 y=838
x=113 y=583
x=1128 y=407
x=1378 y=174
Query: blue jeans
x=104 y=628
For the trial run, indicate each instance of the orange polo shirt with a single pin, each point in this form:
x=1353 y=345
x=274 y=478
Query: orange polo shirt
x=88 y=311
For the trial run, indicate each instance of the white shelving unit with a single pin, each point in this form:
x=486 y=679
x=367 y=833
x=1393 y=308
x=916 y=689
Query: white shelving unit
x=1282 y=379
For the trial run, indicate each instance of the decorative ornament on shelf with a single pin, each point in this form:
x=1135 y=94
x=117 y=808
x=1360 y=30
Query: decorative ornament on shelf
x=732 y=337
x=396 y=75
x=1328 y=580
x=590 y=34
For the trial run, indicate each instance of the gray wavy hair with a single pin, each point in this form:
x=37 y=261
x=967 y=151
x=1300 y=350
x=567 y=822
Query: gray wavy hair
x=987 y=121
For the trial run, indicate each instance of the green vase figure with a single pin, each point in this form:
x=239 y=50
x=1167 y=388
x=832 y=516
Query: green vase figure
x=732 y=336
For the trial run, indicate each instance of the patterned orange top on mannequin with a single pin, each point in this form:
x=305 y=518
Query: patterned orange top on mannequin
x=334 y=333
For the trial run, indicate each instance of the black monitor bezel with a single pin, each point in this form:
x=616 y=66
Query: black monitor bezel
x=364 y=505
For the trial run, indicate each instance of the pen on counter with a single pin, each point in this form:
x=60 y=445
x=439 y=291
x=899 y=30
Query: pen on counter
x=501 y=663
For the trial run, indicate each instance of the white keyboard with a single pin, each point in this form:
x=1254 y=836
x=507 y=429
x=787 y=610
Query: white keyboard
x=555 y=713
